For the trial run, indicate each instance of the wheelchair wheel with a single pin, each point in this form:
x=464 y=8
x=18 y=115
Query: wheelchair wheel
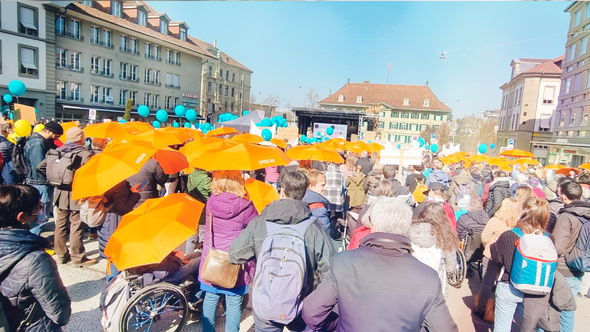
x=156 y=308
x=456 y=278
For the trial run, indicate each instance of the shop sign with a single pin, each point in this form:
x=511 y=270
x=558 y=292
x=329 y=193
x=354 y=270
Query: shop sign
x=190 y=95
x=570 y=151
x=561 y=140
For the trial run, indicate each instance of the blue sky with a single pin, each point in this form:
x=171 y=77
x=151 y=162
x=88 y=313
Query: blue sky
x=322 y=44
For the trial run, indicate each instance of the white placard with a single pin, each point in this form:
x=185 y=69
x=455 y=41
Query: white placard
x=339 y=130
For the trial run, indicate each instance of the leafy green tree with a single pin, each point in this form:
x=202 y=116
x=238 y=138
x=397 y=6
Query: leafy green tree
x=128 y=106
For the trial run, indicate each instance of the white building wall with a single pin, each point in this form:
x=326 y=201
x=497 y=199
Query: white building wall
x=546 y=109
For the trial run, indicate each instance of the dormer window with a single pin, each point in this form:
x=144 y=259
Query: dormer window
x=426 y=103
x=359 y=99
x=341 y=98
x=87 y=3
x=116 y=8
x=163 y=26
x=142 y=18
x=182 y=34
x=406 y=101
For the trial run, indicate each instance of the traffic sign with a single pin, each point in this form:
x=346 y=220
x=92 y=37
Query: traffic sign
x=511 y=142
x=91 y=114
x=432 y=135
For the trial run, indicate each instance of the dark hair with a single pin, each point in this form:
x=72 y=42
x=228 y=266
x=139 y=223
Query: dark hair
x=389 y=171
x=15 y=199
x=294 y=183
x=418 y=168
x=561 y=181
x=584 y=178
x=427 y=164
x=572 y=190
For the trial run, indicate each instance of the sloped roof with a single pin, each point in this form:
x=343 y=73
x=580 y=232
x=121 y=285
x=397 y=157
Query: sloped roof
x=225 y=58
x=392 y=95
x=533 y=60
x=547 y=67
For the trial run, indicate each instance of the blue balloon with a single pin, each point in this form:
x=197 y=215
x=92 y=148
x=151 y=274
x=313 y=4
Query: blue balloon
x=191 y=115
x=179 y=110
x=427 y=147
x=492 y=146
x=123 y=121
x=482 y=148
x=265 y=123
x=302 y=138
x=207 y=126
x=17 y=88
x=175 y=124
x=266 y=134
x=162 y=115
x=284 y=125
x=326 y=138
x=308 y=140
x=187 y=124
x=245 y=112
x=156 y=124
x=319 y=134
x=7 y=98
x=11 y=116
x=330 y=131
x=434 y=148
x=36 y=111
x=399 y=146
x=421 y=141
x=143 y=111
x=314 y=140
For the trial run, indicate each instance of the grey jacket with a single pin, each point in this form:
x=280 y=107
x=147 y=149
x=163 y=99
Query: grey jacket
x=566 y=231
x=561 y=299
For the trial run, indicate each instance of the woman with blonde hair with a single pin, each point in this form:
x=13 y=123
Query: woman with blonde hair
x=524 y=192
x=348 y=167
x=355 y=195
x=227 y=213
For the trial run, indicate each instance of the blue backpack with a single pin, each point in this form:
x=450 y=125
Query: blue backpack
x=534 y=263
x=579 y=257
x=281 y=272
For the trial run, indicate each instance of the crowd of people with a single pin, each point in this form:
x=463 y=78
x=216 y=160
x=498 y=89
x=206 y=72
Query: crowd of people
x=401 y=229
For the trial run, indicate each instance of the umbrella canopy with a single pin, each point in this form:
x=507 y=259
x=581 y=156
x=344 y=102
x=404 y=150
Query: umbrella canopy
x=195 y=148
x=585 y=166
x=137 y=127
x=66 y=126
x=159 y=138
x=314 y=152
x=278 y=142
x=105 y=170
x=105 y=130
x=261 y=194
x=191 y=132
x=517 y=153
x=527 y=161
x=351 y=147
x=332 y=146
x=149 y=233
x=222 y=131
x=478 y=158
x=172 y=161
x=243 y=123
x=375 y=146
x=566 y=171
x=242 y=157
x=500 y=162
x=247 y=138
x=555 y=167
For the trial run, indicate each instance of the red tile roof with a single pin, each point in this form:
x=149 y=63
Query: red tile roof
x=392 y=95
x=548 y=67
x=533 y=60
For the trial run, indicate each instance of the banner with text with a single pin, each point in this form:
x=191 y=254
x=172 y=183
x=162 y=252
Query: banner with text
x=339 y=130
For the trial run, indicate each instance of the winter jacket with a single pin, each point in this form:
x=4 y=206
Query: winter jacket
x=120 y=201
x=319 y=246
x=373 y=179
x=334 y=185
x=366 y=163
x=561 y=299
x=62 y=198
x=271 y=174
x=555 y=205
x=499 y=190
x=566 y=231
x=475 y=221
x=36 y=147
x=402 y=192
x=153 y=173
x=358 y=234
x=6 y=148
x=456 y=186
x=33 y=283
x=199 y=185
x=319 y=211
x=438 y=176
x=491 y=232
x=355 y=196
x=231 y=215
x=422 y=235
x=360 y=281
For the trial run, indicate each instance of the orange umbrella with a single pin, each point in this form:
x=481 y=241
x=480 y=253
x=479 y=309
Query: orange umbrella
x=566 y=171
x=247 y=138
x=478 y=158
x=172 y=161
x=222 y=131
x=278 y=142
x=66 y=126
x=159 y=138
x=517 y=153
x=363 y=146
x=149 y=233
x=184 y=132
x=105 y=170
x=527 y=161
x=314 y=152
x=242 y=156
x=351 y=147
x=105 y=130
x=137 y=127
x=261 y=194
x=555 y=167
x=375 y=146
x=500 y=162
x=195 y=148
x=332 y=146
x=585 y=166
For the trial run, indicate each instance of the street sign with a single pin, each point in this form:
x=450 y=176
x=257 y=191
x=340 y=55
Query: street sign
x=91 y=114
x=511 y=142
x=432 y=135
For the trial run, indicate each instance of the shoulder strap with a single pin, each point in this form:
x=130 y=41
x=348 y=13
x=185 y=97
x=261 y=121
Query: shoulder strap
x=211 y=230
x=517 y=231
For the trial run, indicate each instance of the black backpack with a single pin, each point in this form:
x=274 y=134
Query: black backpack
x=18 y=159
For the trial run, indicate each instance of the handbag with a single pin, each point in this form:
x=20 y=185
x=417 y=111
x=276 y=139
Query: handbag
x=217 y=270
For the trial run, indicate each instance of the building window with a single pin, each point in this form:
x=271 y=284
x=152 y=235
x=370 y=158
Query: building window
x=210 y=71
x=123 y=70
x=182 y=34
x=221 y=73
x=414 y=127
x=75 y=28
x=405 y=115
x=123 y=43
x=168 y=79
x=568 y=83
x=226 y=90
x=75 y=91
x=220 y=89
x=133 y=95
x=148 y=50
x=156 y=101
x=106 y=38
x=572 y=53
x=404 y=126
x=573 y=119
x=359 y=99
x=578 y=82
x=340 y=98
x=60 y=89
x=415 y=116
x=392 y=125
x=94 y=64
x=60 y=25
x=209 y=87
x=94 y=35
x=163 y=27
x=29 y=61
x=94 y=93
x=141 y=18
x=425 y=116
x=406 y=101
x=60 y=56
x=156 y=52
x=116 y=8
x=577 y=16
x=583 y=46
x=395 y=114
x=106 y=96
x=147 y=77
x=168 y=56
x=233 y=91
x=122 y=97
x=548 y=94
x=157 y=77
x=176 y=81
x=177 y=58
x=28 y=20
x=233 y=77
x=168 y=102
x=106 y=67
x=146 y=99
x=133 y=46
x=426 y=103
x=87 y=3
x=75 y=60
x=227 y=75
x=133 y=73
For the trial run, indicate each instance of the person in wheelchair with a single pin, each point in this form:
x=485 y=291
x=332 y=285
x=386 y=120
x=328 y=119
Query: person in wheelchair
x=469 y=229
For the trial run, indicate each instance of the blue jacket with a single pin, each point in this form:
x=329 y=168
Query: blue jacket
x=35 y=150
x=6 y=148
x=321 y=212
x=33 y=282
x=438 y=176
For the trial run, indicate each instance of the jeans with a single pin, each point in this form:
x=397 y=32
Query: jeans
x=46 y=192
x=297 y=325
x=114 y=272
x=567 y=317
x=233 y=312
x=507 y=299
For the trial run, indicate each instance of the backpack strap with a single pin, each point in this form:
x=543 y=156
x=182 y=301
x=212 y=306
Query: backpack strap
x=316 y=205
x=517 y=231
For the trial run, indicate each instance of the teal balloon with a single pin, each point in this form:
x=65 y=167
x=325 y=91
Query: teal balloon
x=179 y=110
x=162 y=115
x=308 y=140
x=245 y=112
x=143 y=111
x=156 y=124
x=370 y=142
x=421 y=141
x=11 y=116
x=17 y=88
x=434 y=148
x=123 y=121
x=187 y=124
x=482 y=148
x=399 y=146
x=36 y=111
x=266 y=134
x=191 y=115
x=330 y=131
x=265 y=123
x=314 y=140
x=284 y=125
x=7 y=98
x=326 y=138
x=303 y=138
x=318 y=134
x=427 y=147
x=175 y=124
x=492 y=146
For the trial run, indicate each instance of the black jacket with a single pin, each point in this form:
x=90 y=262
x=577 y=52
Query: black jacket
x=6 y=148
x=381 y=276
x=120 y=201
x=366 y=163
x=153 y=173
x=499 y=190
x=476 y=221
x=33 y=283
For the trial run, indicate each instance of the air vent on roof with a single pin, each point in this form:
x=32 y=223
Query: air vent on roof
x=367 y=82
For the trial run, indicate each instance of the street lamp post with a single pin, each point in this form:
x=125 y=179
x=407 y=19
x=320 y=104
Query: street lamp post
x=300 y=96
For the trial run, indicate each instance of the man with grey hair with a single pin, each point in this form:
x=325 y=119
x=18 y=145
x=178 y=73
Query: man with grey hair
x=381 y=273
x=366 y=162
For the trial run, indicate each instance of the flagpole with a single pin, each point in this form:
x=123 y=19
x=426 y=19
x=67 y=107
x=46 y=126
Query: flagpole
x=388 y=69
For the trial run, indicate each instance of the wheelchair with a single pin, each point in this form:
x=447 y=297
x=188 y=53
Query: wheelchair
x=346 y=228
x=473 y=251
x=456 y=278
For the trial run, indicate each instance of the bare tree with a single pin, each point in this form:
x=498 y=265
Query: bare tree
x=271 y=100
x=443 y=134
x=312 y=98
x=252 y=98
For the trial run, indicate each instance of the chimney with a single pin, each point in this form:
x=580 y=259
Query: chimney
x=215 y=44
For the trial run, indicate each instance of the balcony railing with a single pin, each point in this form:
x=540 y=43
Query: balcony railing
x=128 y=78
x=128 y=50
x=102 y=43
x=68 y=34
x=172 y=62
x=172 y=86
x=152 y=83
x=68 y=98
x=154 y=57
x=102 y=73
x=70 y=67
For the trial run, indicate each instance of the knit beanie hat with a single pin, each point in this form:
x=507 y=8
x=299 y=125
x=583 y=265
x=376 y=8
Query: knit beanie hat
x=54 y=127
